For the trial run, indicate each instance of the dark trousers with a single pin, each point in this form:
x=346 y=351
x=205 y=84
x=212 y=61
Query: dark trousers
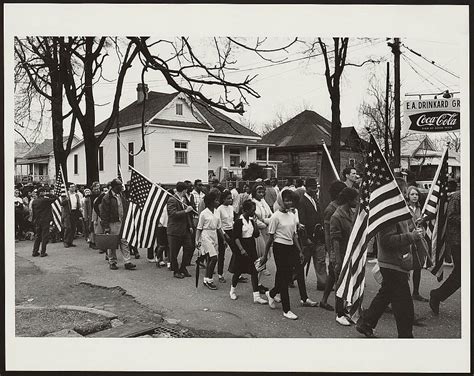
x=395 y=290
x=41 y=237
x=453 y=282
x=70 y=232
x=175 y=243
x=283 y=259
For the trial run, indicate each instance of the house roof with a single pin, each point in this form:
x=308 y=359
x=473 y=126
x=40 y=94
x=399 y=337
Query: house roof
x=22 y=148
x=413 y=143
x=222 y=123
x=305 y=129
x=43 y=149
x=132 y=115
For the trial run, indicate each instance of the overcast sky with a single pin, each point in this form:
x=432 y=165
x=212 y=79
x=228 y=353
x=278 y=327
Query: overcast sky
x=286 y=89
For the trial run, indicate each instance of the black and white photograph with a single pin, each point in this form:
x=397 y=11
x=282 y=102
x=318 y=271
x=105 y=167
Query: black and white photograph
x=227 y=187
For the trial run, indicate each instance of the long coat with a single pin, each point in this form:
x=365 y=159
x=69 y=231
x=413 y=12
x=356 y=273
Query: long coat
x=179 y=221
x=309 y=216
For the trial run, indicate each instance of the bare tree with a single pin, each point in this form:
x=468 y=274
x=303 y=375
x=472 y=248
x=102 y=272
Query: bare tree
x=335 y=61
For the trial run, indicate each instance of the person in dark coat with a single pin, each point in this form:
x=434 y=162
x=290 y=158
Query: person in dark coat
x=341 y=224
x=42 y=216
x=311 y=217
x=113 y=211
x=244 y=252
x=179 y=231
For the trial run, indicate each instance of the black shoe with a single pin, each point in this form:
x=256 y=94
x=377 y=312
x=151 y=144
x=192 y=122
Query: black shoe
x=326 y=306
x=44 y=254
x=242 y=279
x=262 y=289
x=185 y=273
x=102 y=250
x=210 y=285
x=434 y=304
x=420 y=298
x=364 y=329
x=113 y=266
x=137 y=255
x=72 y=245
x=320 y=287
x=178 y=275
x=130 y=266
x=35 y=254
x=92 y=245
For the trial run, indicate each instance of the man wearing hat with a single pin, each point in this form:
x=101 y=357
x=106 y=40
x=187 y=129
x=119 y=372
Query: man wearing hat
x=311 y=216
x=42 y=216
x=113 y=210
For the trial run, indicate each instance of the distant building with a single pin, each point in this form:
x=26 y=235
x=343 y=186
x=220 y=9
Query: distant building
x=184 y=140
x=421 y=158
x=298 y=145
x=37 y=164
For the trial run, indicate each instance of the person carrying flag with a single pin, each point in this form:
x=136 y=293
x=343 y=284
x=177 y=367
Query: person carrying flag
x=42 y=216
x=394 y=258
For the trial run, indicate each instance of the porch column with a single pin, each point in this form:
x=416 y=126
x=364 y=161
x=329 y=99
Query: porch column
x=268 y=154
x=247 y=154
x=223 y=156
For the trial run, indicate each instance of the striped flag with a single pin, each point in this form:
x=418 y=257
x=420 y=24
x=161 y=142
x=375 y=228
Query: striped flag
x=147 y=201
x=59 y=190
x=381 y=204
x=435 y=212
x=327 y=176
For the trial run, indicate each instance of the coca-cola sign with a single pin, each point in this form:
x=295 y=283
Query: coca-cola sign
x=432 y=115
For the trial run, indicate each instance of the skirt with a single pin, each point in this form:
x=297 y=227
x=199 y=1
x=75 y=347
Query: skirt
x=209 y=243
x=261 y=241
x=240 y=264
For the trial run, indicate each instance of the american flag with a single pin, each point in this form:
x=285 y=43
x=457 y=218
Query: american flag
x=435 y=210
x=381 y=204
x=147 y=201
x=59 y=190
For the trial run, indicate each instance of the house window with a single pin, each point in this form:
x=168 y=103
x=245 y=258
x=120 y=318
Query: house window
x=295 y=164
x=131 y=156
x=40 y=169
x=76 y=164
x=351 y=162
x=181 y=152
x=101 y=158
x=234 y=157
x=179 y=108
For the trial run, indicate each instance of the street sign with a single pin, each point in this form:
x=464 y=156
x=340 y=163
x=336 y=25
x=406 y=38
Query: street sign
x=432 y=115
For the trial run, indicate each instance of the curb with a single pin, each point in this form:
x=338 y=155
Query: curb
x=99 y=312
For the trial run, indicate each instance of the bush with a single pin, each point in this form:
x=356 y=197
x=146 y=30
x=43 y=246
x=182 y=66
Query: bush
x=252 y=172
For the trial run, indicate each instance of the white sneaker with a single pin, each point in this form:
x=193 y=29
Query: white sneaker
x=277 y=298
x=290 y=315
x=259 y=300
x=343 y=320
x=271 y=301
x=233 y=295
x=308 y=303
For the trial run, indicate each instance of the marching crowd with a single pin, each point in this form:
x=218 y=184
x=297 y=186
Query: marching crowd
x=258 y=223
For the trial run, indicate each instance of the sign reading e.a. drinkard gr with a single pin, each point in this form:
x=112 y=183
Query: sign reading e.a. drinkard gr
x=432 y=115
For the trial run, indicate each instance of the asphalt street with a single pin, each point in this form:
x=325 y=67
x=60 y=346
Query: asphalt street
x=202 y=309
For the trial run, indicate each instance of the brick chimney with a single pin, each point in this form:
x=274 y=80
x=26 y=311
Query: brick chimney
x=142 y=94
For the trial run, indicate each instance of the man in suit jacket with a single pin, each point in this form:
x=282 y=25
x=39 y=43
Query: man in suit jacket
x=270 y=193
x=311 y=216
x=179 y=231
x=70 y=215
x=42 y=217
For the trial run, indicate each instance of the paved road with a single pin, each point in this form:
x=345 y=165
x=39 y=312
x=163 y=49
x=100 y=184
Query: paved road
x=203 y=309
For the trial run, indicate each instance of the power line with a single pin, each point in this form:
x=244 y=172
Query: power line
x=419 y=74
x=429 y=61
x=428 y=73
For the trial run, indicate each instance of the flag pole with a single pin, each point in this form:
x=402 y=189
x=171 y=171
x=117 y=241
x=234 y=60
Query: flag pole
x=436 y=177
x=330 y=159
x=160 y=187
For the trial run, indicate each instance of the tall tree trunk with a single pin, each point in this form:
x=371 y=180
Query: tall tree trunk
x=90 y=142
x=60 y=155
x=336 y=125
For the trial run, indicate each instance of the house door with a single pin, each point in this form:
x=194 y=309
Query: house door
x=295 y=164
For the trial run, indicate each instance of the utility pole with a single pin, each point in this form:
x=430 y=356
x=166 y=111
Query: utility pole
x=387 y=114
x=397 y=127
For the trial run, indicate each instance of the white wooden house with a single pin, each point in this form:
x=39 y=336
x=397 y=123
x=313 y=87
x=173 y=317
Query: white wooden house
x=183 y=141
